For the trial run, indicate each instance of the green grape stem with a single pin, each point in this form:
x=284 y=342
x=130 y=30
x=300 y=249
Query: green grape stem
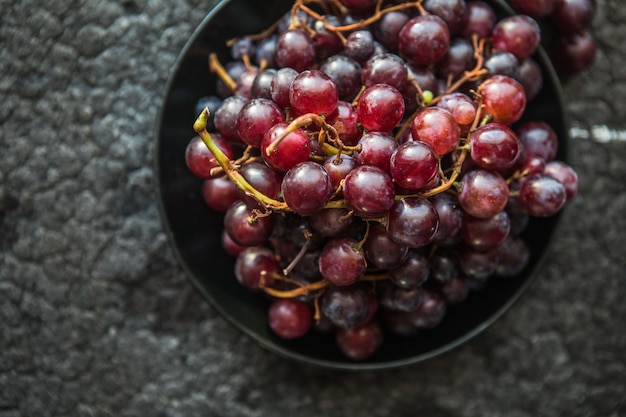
x=269 y=203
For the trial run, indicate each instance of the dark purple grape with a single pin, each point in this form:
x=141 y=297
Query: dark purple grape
x=574 y=52
x=387 y=28
x=380 y=108
x=362 y=342
x=566 y=175
x=219 y=193
x=251 y=263
x=337 y=167
x=359 y=45
x=494 y=146
x=261 y=86
x=456 y=290
x=480 y=20
x=255 y=118
x=385 y=68
x=450 y=216
x=413 y=272
x=241 y=47
x=331 y=221
x=294 y=49
x=484 y=193
x=424 y=40
x=369 y=191
x=245 y=81
x=531 y=77
x=396 y=298
x=306 y=188
x=437 y=127
x=243 y=228
x=312 y=91
x=212 y=103
x=376 y=149
x=326 y=42
x=414 y=165
x=572 y=16
x=538 y=9
x=503 y=63
x=342 y=261
x=542 y=195
x=381 y=251
x=443 y=267
x=504 y=98
x=519 y=35
x=265 y=51
x=226 y=117
x=538 y=140
x=513 y=257
x=413 y=222
x=289 y=319
x=281 y=84
x=199 y=159
x=485 y=234
x=453 y=12
x=283 y=152
x=345 y=73
x=458 y=59
x=430 y=313
x=344 y=120
x=477 y=265
x=346 y=307
x=263 y=179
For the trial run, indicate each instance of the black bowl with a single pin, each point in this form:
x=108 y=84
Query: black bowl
x=194 y=230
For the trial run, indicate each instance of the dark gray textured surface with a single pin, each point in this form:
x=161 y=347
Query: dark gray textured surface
x=97 y=319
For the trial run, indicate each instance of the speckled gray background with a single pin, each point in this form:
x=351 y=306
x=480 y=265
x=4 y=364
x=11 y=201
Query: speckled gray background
x=97 y=318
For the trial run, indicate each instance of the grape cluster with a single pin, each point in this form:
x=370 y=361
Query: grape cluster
x=372 y=163
x=569 y=21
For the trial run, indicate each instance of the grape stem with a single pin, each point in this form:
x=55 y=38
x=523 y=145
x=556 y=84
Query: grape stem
x=231 y=171
x=216 y=67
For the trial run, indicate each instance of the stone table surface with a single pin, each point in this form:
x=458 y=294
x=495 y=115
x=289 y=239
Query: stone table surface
x=98 y=319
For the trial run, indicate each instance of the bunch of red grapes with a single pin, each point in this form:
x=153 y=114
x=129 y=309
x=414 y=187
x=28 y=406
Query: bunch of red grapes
x=568 y=21
x=372 y=164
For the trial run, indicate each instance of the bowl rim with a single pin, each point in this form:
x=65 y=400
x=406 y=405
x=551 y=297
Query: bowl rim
x=347 y=365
